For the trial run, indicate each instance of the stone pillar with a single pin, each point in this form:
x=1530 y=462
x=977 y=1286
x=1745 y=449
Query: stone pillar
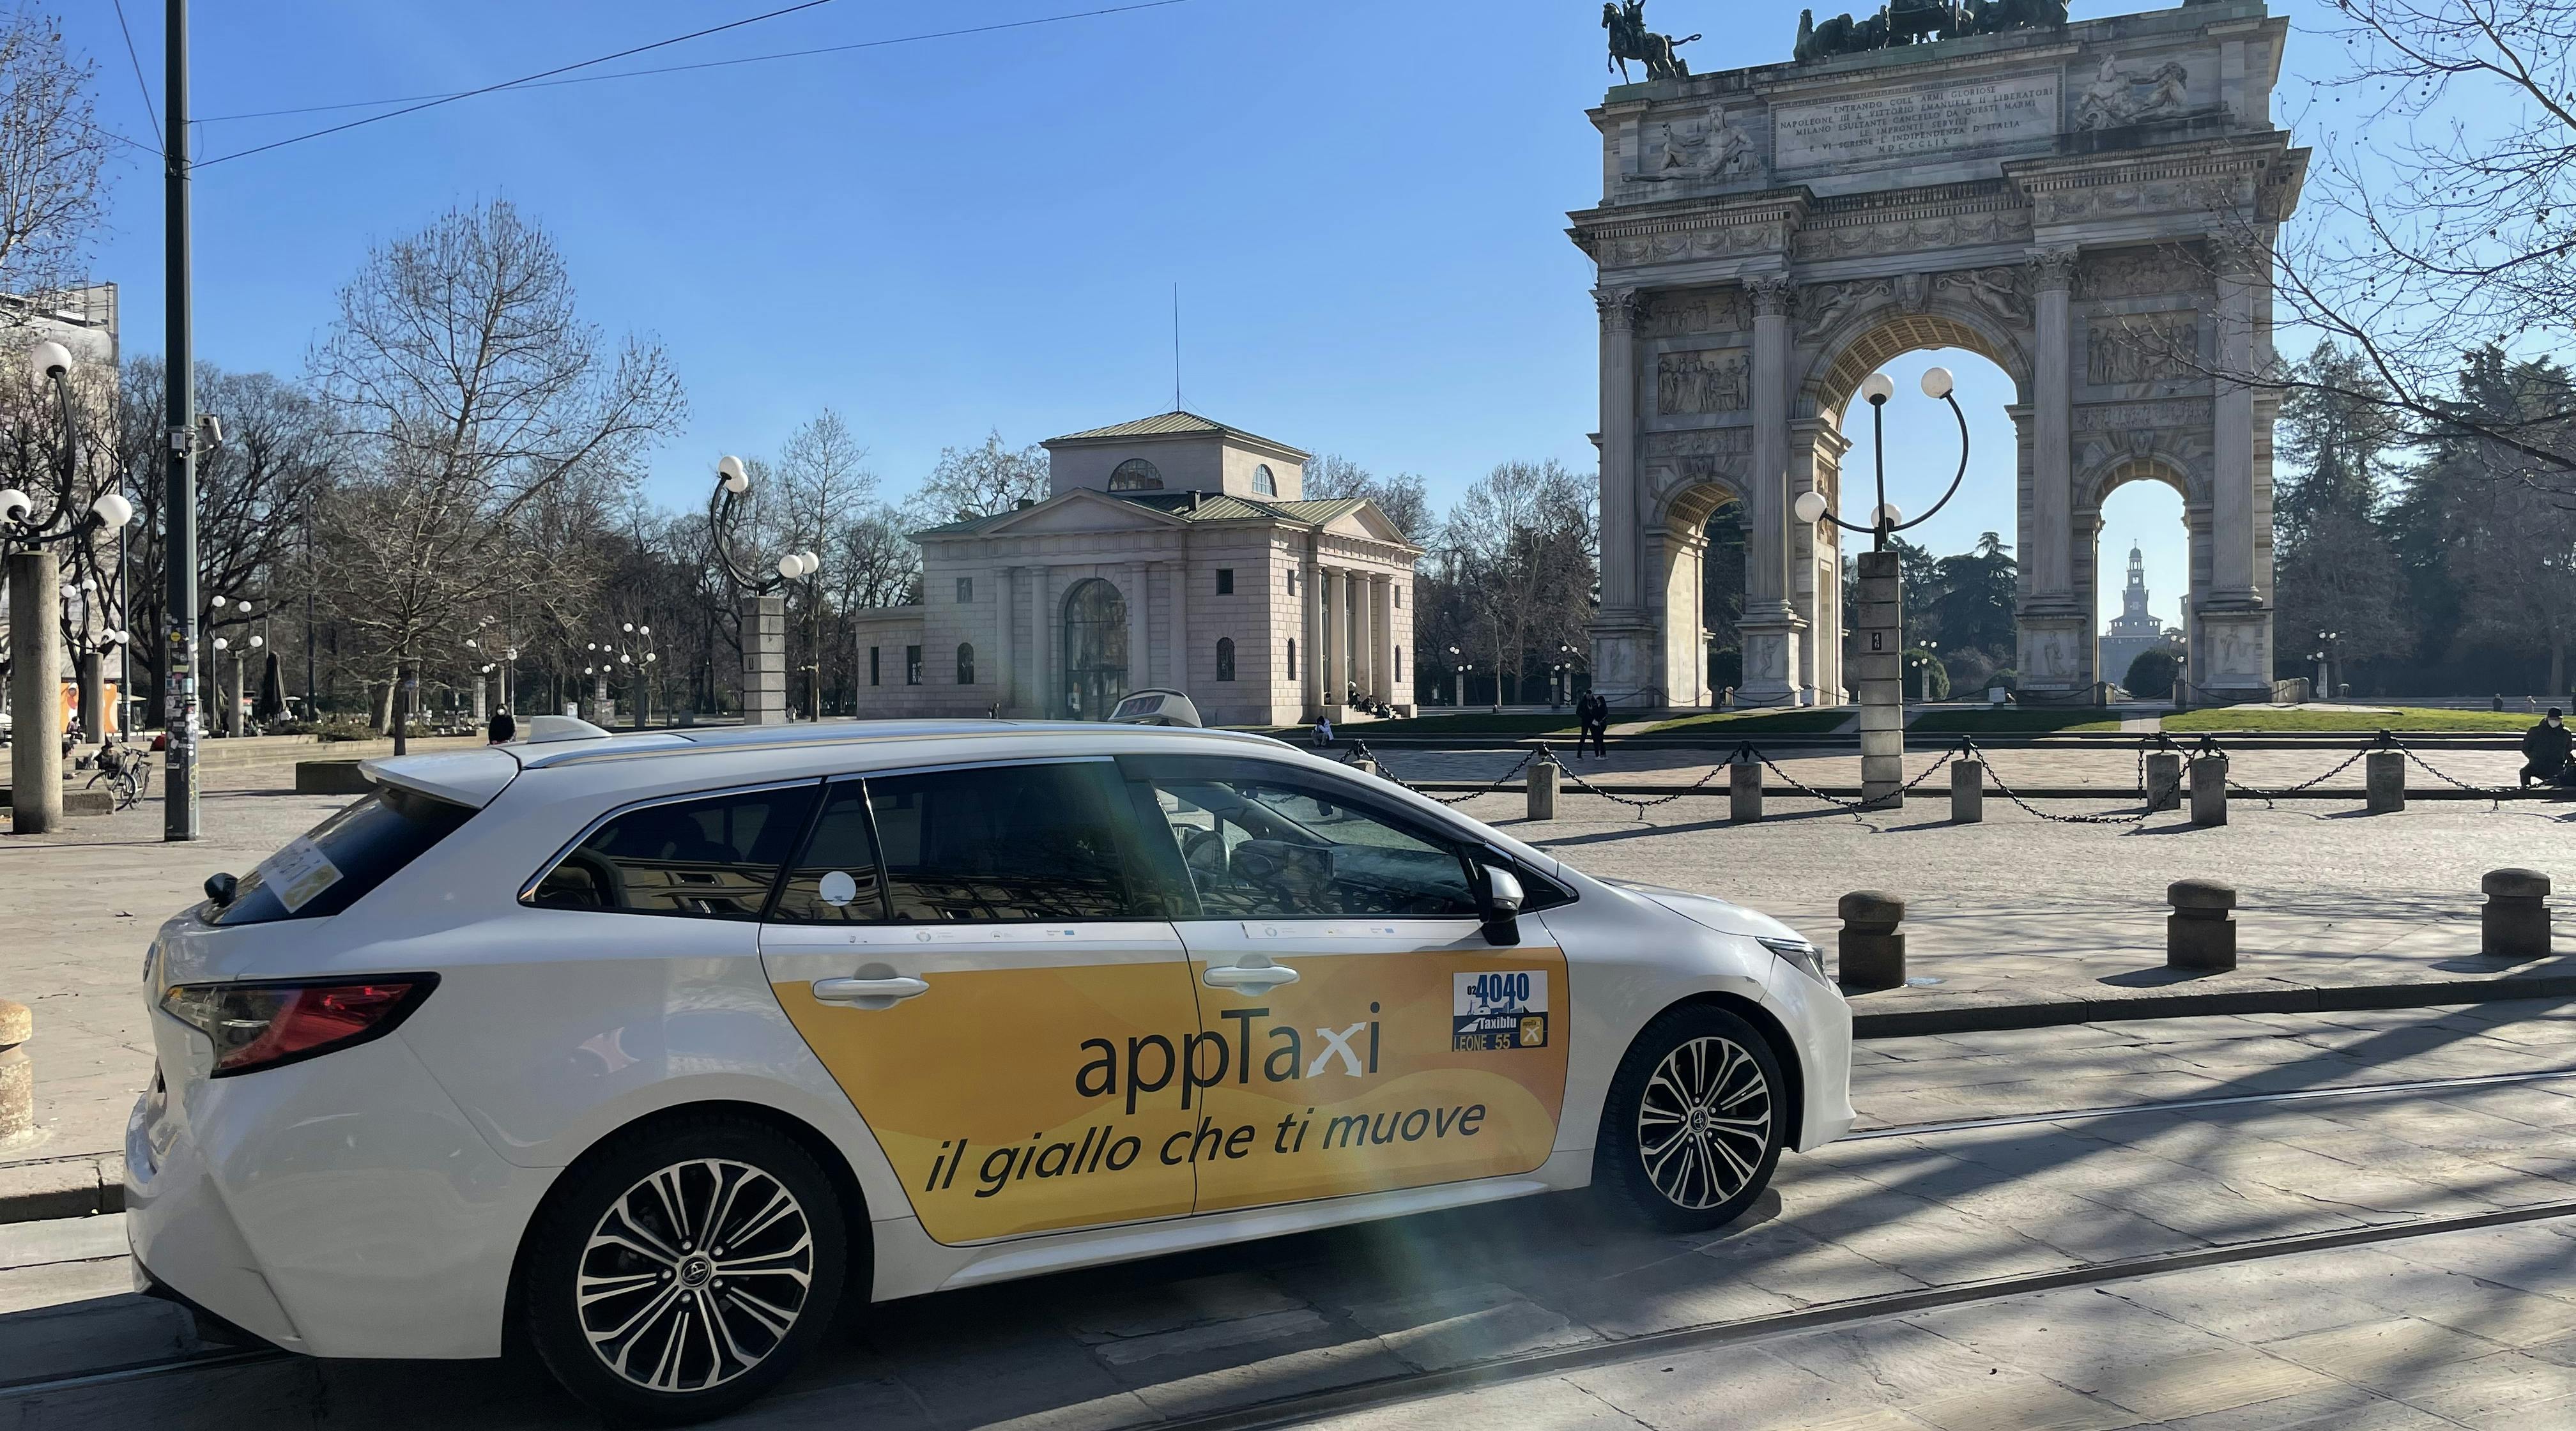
x=1967 y=792
x=1310 y=627
x=233 y=692
x=2384 y=781
x=1872 y=955
x=2514 y=922
x=1005 y=653
x=1622 y=634
x=1542 y=789
x=1139 y=640
x=2199 y=935
x=1181 y=625
x=2209 y=790
x=1355 y=624
x=2164 y=780
x=92 y=668
x=35 y=693
x=482 y=698
x=1769 y=630
x=1330 y=598
x=2235 y=621
x=2054 y=624
x=1744 y=791
x=1046 y=643
x=1382 y=639
x=1878 y=621
x=764 y=660
x=603 y=711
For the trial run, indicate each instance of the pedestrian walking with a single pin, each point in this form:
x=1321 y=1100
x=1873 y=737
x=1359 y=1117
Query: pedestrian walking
x=502 y=729
x=2545 y=748
x=1595 y=717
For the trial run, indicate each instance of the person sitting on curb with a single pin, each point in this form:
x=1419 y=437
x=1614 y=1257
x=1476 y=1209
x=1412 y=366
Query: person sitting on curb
x=1323 y=735
x=2545 y=748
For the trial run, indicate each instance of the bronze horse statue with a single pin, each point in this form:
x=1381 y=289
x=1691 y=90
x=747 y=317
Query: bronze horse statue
x=1631 y=40
x=1905 y=22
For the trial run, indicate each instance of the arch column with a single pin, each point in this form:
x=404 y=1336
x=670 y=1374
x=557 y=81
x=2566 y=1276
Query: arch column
x=2235 y=625
x=2053 y=634
x=1816 y=451
x=1771 y=626
x=1624 y=635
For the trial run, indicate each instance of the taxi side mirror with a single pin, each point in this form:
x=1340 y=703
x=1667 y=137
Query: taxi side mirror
x=1503 y=899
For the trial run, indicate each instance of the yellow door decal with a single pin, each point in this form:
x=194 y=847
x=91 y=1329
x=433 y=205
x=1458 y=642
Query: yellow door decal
x=974 y=1090
x=1365 y=1075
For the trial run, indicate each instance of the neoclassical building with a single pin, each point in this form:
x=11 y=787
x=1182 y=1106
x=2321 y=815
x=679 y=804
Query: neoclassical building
x=1171 y=552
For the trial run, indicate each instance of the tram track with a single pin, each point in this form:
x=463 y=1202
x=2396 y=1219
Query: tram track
x=1397 y=1389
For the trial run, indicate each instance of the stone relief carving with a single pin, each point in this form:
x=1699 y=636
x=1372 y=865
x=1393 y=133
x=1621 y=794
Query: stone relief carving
x=1953 y=231
x=2146 y=348
x=2143 y=273
x=1694 y=243
x=1996 y=290
x=1698 y=310
x=2123 y=416
x=1771 y=294
x=2113 y=199
x=1713 y=147
x=2047 y=653
x=1701 y=442
x=2117 y=97
x=2238 y=649
x=2186 y=450
x=1619 y=308
x=1709 y=380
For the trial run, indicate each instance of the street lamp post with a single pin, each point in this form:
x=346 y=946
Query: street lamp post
x=1881 y=613
x=35 y=609
x=2327 y=664
x=763 y=609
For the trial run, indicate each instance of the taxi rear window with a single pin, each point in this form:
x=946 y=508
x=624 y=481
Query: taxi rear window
x=331 y=866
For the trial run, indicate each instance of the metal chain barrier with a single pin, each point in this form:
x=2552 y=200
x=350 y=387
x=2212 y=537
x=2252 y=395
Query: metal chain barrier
x=2494 y=793
x=1640 y=806
x=1359 y=751
x=1970 y=747
x=2209 y=746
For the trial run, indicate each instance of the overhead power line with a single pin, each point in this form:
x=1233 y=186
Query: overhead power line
x=523 y=79
x=543 y=81
x=137 y=61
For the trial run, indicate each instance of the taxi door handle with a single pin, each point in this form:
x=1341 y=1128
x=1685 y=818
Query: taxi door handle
x=1253 y=979
x=869 y=993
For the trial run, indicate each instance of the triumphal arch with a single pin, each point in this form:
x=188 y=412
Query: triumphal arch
x=2091 y=205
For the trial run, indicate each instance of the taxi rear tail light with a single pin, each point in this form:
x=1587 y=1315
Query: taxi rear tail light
x=271 y=1022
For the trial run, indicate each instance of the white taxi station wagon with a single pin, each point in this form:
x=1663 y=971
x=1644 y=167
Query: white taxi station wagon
x=647 y=1050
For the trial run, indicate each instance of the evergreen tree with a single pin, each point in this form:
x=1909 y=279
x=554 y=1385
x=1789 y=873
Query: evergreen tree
x=2336 y=569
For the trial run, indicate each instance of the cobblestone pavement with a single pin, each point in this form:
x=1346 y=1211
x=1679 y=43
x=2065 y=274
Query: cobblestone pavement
x=2476 y=1327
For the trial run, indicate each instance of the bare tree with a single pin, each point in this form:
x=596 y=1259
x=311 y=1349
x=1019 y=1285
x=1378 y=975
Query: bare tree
x=468 y=387
x=52 y=193
x=2442 y=213
x=823 y=478
x=977 y=482
x=1524 y=539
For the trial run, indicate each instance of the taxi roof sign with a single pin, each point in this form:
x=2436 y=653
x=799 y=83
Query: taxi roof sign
x=1156 y=707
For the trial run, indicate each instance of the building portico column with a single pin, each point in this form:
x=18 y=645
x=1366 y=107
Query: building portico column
x=1043 y=638
x=1382 y=638
x=1770 y=626
x=1139 y=644
x=1310 y=646
x=1179 y=662
x=1328 y=640
x=1005 y=663
x=1355 y=624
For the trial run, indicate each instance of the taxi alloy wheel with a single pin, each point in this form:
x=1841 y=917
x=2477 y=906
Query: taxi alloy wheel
x=1694 y=1125
x=683 y=1272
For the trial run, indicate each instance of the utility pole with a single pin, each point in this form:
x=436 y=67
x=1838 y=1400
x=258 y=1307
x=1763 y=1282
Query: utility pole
x=179 y=506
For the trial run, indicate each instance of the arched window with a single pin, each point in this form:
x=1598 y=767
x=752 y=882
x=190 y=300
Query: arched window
x=1095 y=651
x=1225 y=658
x=1135 y=475
x=1292 y=652
x=965 y=663
x=1264 y=484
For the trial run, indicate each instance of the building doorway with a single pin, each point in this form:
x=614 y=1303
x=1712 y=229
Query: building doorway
x=1095 y=649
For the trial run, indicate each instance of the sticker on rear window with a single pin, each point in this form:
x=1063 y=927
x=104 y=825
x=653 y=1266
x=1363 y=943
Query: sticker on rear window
x=298 y=874
x=1499 y=1010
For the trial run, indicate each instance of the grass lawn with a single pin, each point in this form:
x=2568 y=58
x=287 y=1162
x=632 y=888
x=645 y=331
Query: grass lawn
x=1797 y=722
x=2016 y=720
x=1462 y=723
x=2404 y=718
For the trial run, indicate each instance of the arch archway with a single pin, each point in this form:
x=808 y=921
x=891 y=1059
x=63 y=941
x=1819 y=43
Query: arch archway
x=1094 y=626
x=2103 y=576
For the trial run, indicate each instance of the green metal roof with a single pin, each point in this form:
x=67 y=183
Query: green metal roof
x=1210 y=507
x=1170 y=424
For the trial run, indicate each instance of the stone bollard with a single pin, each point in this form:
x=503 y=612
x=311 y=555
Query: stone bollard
x=2164 y=780
x=2514 y=922
x=1967 y=792
x=1743 y=792
x=17 y=1075
x=1365 y=765
x=1542 y=789
x=2385 y=781
x=1873 y=948
x=2209 y=790
x=2199 y=934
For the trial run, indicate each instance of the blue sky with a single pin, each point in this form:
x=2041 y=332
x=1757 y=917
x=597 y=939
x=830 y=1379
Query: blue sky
x=1362 y=202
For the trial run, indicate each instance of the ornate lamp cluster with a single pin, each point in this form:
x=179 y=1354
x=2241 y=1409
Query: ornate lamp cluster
x=1884 y=519
x=724 y=509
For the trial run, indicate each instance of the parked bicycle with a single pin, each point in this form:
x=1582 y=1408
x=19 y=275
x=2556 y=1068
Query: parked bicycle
x=127 y=771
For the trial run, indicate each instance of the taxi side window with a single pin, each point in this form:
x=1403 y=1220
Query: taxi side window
x=710 y=858
x=1267 y=847
x=834 y=880
x=1004 y=843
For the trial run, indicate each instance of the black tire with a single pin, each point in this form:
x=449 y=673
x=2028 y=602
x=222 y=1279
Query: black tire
x=1686 y=1172
x=707 y=1329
